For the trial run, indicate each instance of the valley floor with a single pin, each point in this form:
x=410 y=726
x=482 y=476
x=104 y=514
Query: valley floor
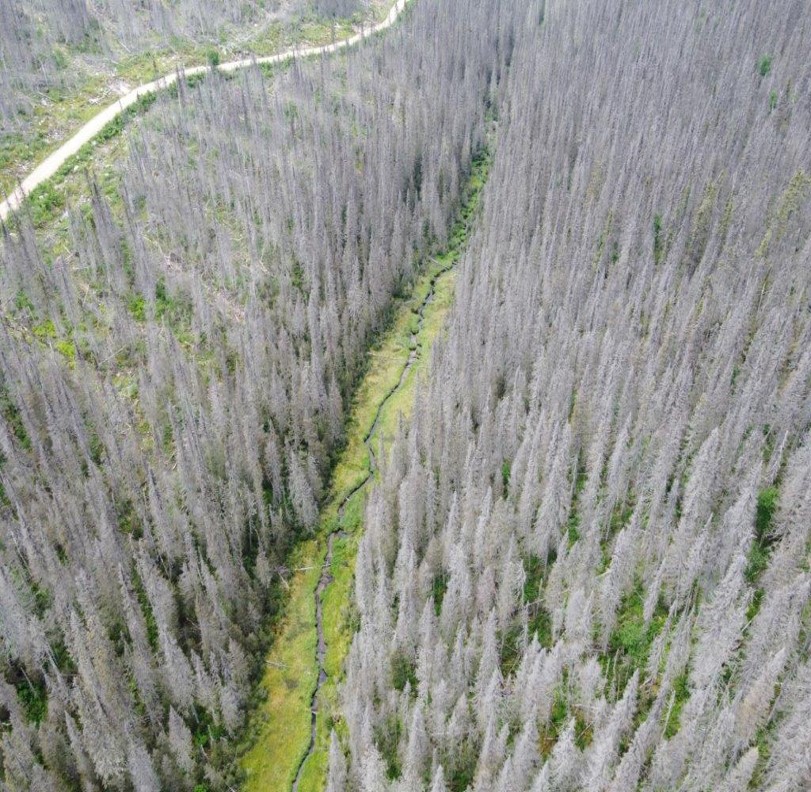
x=291 y=734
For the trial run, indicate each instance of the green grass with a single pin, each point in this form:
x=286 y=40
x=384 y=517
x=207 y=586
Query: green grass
x=282 y=727
x=630 y=644
x=681 y=694
x=558 y=719
x=283 y=733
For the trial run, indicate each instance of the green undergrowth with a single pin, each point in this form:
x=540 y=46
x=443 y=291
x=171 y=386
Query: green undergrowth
x=681 y=692
x=94 y=167
x=280 y=733
x=33 y=696
x=630 y=643
x=539 y=619
x=48 y=201
x=760 y=551
x=627 y=649
x=281 y=730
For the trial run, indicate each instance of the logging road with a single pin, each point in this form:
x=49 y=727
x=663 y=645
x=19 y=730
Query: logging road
x=92 y=128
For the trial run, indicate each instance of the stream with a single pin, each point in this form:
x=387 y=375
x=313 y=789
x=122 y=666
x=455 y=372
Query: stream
x=326 y=574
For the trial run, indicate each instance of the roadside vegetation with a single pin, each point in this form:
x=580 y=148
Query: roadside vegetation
x=79 y=74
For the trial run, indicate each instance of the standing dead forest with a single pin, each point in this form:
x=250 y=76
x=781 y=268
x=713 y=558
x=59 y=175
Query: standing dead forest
x=585 y=558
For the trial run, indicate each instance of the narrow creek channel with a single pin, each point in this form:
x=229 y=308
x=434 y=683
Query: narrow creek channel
x=326 y=574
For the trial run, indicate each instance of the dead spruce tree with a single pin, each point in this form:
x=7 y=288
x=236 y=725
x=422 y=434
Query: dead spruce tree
x=174 y=379
x=610 y=588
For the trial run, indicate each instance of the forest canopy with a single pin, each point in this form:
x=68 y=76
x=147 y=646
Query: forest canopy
x=584 y=559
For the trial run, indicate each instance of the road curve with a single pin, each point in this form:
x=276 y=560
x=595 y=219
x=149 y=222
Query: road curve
x=54 y=161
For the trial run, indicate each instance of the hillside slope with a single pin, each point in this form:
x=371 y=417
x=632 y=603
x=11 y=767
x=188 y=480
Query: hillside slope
x=177 y=357
x=587 y=564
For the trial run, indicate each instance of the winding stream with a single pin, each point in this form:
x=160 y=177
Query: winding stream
x=326 y=570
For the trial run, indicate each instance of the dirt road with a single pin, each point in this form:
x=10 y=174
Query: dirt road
x=54 y=161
